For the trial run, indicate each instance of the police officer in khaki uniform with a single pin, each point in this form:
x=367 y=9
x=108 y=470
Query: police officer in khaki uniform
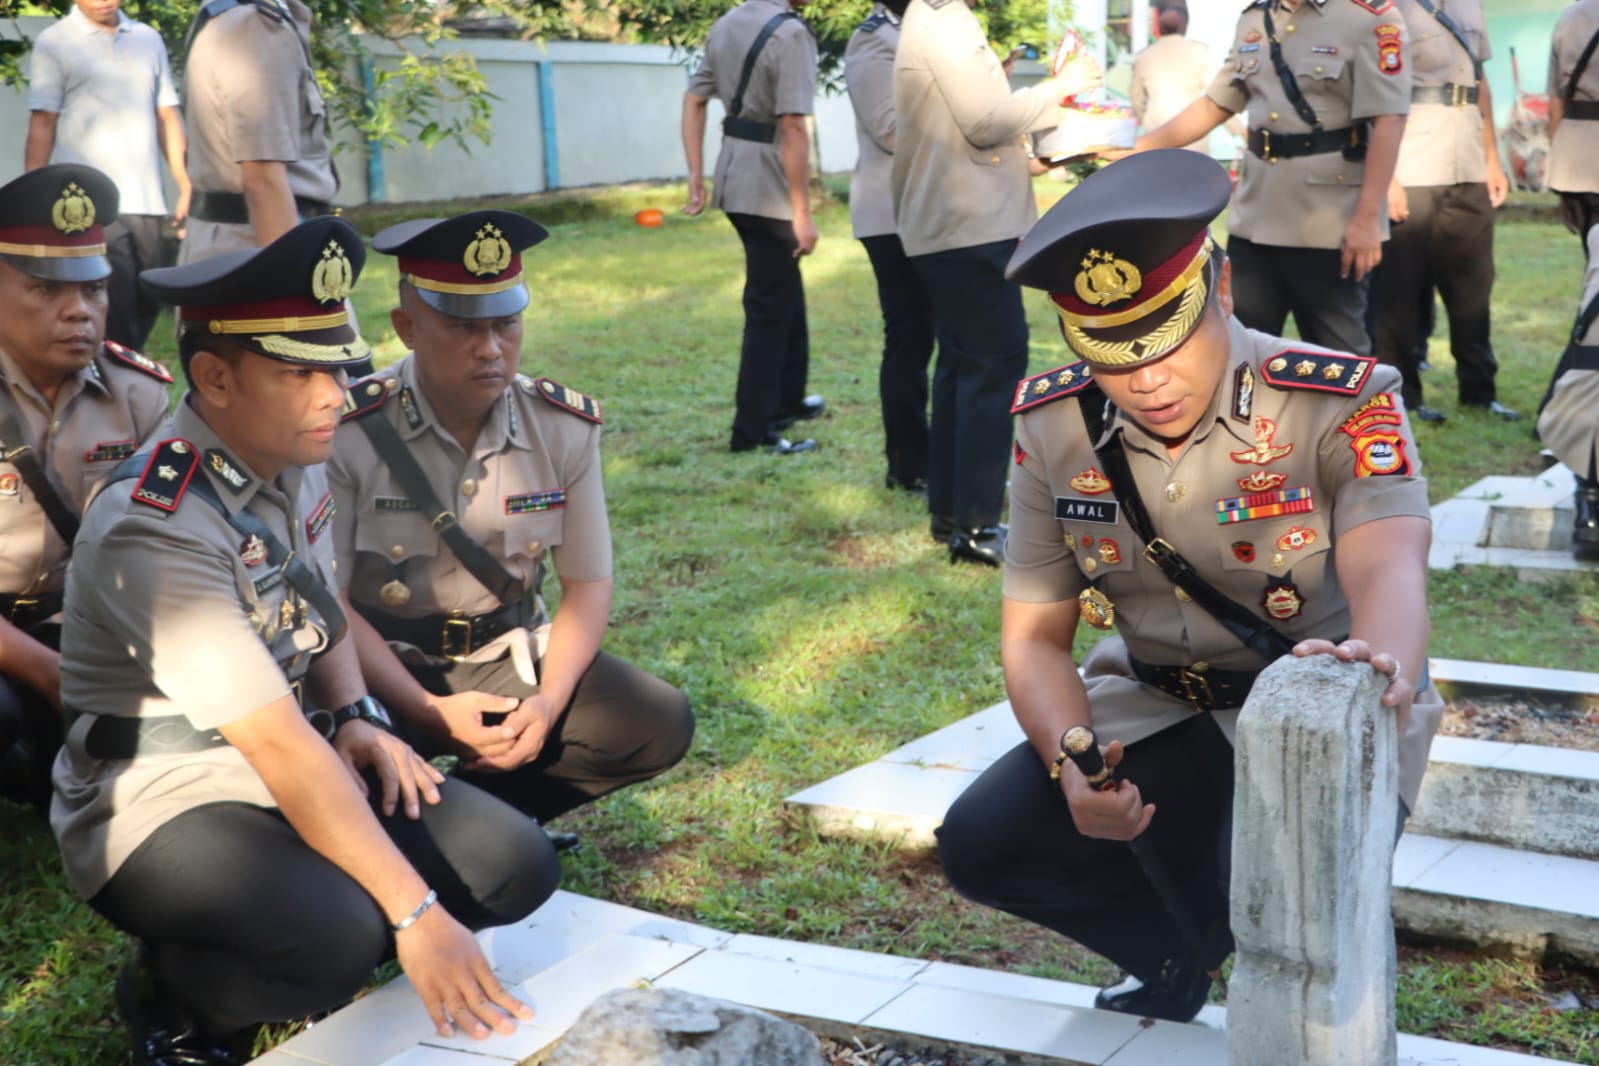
x=258 y=142
x=1310 y=215
x=760 y=62
x=1441 y=205
x=1569 y=421
x=71 y=406
x=267 y=852
x=448 y=613
x=1252 y=458
x=907 y=309
x=1170 y=74
x=963 y=194
x=1574 y=115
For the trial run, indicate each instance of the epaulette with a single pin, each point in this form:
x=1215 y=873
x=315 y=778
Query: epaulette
x=1381 y=7
x=1062 y=381
x=129 y=357
x=1318 y=371
x=172 y=464
x=367 y=396
x=563 y=397
x=872 y=23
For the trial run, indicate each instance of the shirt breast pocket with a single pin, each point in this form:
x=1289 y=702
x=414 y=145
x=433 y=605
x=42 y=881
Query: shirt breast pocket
x=396 y=536
x=1100 y=550
x=531 y=533
x=1294 y=548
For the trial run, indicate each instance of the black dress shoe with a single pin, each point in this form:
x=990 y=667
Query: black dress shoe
x=163 y=1032
x=1585 y=531
x=1494 y=407
x=1176 y=995
x=916 y=486
x=560 y=841
x=1423 y=367
x=985 y=545
x=775 y=444
x=941 y=526
x=1420 y=413
x=811 y=407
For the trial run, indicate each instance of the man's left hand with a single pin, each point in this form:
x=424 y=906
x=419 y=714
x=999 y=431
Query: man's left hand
x=1498 y=184
x=1400 y=691
x=1361 y=248
x=401 y=770
x=532 y=722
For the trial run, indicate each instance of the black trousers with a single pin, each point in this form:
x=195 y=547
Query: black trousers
x=1580 y=212
x=1009 y=842
x=982 y=354
x=1447 y=242
x=908 y=329
x=132 y=244
x=1270 y=281
x=30 y=733
x=622 y=726
x=248 y=924
x=775 y=357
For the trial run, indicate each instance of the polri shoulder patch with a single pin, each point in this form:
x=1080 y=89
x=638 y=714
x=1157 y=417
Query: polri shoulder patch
x=365 y=397
x=872 y=23
x=1062 y=381
x=139 y=361
x=166 y=476
x=567 y=399
x=1337 y=372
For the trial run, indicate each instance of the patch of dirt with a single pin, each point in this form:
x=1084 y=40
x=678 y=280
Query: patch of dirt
x=1522 y=721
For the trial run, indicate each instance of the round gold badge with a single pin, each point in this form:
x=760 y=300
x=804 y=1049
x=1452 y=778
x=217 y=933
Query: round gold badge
x=1096 y=609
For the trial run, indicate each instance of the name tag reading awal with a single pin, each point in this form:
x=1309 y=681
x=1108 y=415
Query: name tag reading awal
x=1071 y=509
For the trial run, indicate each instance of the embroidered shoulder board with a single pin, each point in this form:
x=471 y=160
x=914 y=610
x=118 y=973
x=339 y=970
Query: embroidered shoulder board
x=172 y=464
x=129 y=357
x=367 y=396
x=564 y=398
x=1318 y=371
x=1062 y=381
x=275 y=10
x=936 y=4
x=1377 y=7
x=872 y=23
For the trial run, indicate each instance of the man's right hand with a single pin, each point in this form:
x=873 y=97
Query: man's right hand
x=1398 y=202
x=805 y=236
x=454 y=980
x=457 y=724
x=1117 y=813
x=696 y=196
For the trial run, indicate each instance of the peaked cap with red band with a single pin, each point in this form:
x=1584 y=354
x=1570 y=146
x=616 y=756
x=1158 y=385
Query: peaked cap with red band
x=469 y=266
x=286 y=301
x=1126 y=257
x=52 y=222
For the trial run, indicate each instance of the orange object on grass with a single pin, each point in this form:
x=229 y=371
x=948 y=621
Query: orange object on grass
x=650 y=218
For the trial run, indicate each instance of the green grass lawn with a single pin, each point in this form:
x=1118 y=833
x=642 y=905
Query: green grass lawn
x=815 y=626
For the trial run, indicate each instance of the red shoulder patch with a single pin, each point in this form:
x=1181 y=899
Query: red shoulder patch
x=365 y=397
x=1390 y=47
x=564 y=398
x=139 y=361
x=1052 y=385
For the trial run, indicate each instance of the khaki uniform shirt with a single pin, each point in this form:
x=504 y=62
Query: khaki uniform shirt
x=749 y=177
x=869 y=75
x=101 y=416
x=1168 y=76
x=960 y=159
x=1443 y=144
x=165 y=615
x=531 y=487
x=1336 y=50
x=1576 y=142
x=1306 y=442
x=1569 y=423
x=250 y=95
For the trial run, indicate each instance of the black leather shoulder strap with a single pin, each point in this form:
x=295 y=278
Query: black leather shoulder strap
x=398 y=458
x=737 y=106
x=1459 y=34
x=17 y=449
x=1290 y=83
x=1582 y=65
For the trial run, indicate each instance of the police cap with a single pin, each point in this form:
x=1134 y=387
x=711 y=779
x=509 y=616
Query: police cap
x=1127 y=258
x=285 y=301
x=52 y=222
x=469 y=266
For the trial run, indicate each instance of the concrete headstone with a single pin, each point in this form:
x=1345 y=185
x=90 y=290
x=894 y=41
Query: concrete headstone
x=668 y=1027
x=1314 y=810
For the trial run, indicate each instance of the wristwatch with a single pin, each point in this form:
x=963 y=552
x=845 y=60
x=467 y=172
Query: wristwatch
x=368 y=710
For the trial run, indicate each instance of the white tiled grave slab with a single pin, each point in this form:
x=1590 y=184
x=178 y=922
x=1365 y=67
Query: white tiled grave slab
x=1519 y=522
x=615 y=947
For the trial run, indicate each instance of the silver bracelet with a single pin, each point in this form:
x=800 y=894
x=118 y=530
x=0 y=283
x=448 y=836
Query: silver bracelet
x=421 y=908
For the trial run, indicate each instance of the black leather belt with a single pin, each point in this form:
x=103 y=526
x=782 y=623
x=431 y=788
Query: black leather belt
x=116 y=736
x=25 y=612
x=232 y=208
x=1270 y=146
x=745 y=129
x=1200 y=685
x=1585 y=110
x=1452 y=95
x=452 y=636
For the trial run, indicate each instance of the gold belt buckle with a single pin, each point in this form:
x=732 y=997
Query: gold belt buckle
x=456 y=627
x=1265 y=146
x=21 y=604
x=1195 y=688
x=1457 y=95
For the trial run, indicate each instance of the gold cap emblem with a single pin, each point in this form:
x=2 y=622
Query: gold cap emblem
x=1095 y=608
x=333 y=276
x=1106 y=279
x=490 y=253
x=73 y=211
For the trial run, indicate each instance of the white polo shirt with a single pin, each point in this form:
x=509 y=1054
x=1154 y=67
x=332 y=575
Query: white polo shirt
x=106 y=86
